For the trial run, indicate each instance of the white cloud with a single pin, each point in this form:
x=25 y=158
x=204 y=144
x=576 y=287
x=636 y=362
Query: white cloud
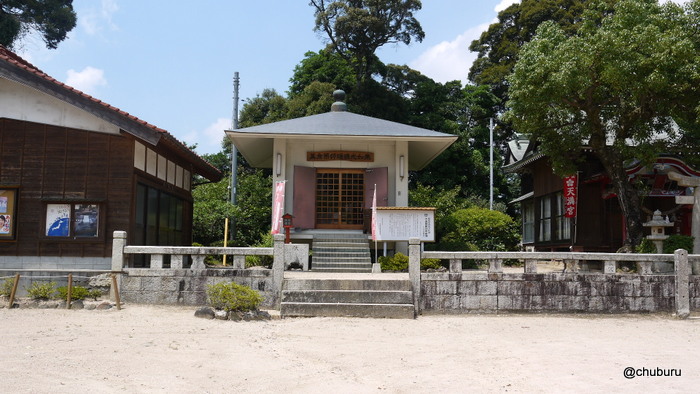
x=505 y=4
x=87 y=80
x=94 y=20
x=209 y=139
x=449 y=60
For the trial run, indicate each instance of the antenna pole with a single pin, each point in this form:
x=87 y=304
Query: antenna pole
x=234 y=151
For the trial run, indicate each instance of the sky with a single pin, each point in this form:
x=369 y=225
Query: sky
x=172 y=65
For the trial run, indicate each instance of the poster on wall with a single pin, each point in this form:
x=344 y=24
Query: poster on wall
x=86 y=220
x=8 y=214
x=57 y=220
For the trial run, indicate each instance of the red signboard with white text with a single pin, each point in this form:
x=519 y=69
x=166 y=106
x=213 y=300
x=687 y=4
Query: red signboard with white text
x=570 y=196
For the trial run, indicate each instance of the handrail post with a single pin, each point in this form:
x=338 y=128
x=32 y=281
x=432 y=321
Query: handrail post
x=414 y=257
x=278 y=268
x=682 y=269
x=118 y=258
x=118 y=244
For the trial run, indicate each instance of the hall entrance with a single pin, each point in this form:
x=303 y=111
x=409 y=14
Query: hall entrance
x=340 y=197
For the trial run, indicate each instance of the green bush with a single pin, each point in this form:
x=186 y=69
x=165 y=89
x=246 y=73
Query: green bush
x=78 y=293
x=233 y=297
x=480 y=229
x=677 y=241
x=42 y=291
x=399 y=262
x=266 y=241
x=6 y=287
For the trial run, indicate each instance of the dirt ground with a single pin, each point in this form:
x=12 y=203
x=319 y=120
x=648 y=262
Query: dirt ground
x=167 y=349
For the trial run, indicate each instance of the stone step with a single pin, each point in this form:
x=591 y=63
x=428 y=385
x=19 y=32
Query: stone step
x=302 y=309
x=348 y=296
x=347 y=284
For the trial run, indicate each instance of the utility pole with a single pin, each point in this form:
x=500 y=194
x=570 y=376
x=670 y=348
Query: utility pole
x=234 y=151
x=491 y=164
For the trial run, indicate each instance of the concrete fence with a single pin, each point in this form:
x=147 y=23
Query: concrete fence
x=663 y=283
x=181 y=285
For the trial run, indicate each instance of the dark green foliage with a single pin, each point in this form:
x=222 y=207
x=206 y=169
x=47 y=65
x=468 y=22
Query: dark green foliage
x=476 y=228
x=53 y=19
x=641 y=73
x=266 y=241
x=233 y=297
x=399 y=262
x=356 y=29
x=248 y=217
x=677 y=241
x=42 y=291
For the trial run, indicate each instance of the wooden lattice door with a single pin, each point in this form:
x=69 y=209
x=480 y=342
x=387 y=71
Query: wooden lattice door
x=339 y=198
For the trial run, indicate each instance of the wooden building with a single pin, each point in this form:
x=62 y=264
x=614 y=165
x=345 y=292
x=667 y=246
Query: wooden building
x=598 y=224
x=332 y=163
x=74 y=169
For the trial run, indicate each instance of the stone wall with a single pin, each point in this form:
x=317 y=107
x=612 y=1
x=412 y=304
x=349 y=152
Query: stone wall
x=188 y=287
x=551 y=292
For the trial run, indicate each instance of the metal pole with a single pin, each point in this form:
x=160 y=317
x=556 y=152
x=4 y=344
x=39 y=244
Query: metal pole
x=491 y=164
x=234 y=151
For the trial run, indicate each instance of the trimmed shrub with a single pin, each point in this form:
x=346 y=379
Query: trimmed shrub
x=480 y=229
x=677 y=241
x=399 y=262
x=233 y=297
x=78 y=293
x=42 y=291
x=646 y=246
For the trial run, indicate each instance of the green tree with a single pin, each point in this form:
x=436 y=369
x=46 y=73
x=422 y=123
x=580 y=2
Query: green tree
x=357 y=28
x=53 y=19
x=477 y=228
x=615 y=85
x=498 y=47
x=249 y=217
x=267 y=107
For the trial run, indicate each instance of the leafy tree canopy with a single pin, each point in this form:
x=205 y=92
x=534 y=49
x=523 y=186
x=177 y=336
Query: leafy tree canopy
x=498 y=47
x=357 y=28
x=53 y=19
x=614 y=85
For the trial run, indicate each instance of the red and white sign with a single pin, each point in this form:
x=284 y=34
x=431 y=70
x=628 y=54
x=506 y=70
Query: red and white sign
x=277 y=207
x=570 y=195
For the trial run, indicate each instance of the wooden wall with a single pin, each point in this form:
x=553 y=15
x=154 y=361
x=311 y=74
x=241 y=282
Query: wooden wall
x=59 y=164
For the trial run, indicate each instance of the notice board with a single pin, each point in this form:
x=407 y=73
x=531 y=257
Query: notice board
x=403 y=223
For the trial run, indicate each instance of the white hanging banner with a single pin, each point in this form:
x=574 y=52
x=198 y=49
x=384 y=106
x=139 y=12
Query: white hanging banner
x=277 y=207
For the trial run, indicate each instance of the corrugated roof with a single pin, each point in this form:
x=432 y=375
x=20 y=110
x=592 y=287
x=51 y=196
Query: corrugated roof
x=204 y=168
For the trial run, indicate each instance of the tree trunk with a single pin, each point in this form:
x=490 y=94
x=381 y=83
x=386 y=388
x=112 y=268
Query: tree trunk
x=627 y=195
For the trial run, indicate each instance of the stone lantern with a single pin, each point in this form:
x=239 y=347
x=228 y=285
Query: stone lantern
x=658 y=226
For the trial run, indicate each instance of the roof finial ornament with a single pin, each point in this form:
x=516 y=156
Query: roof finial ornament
x=339 y=105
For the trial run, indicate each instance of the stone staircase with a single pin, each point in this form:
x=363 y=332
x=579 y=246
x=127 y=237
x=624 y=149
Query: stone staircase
x=341 y=252
x=378 y=298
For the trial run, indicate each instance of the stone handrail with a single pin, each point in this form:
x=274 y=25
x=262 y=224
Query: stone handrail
x=571 y=259
x=680 y=260
x=121 y=251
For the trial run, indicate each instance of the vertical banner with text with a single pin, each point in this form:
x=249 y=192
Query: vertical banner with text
x=570 y=196
x=277 y=207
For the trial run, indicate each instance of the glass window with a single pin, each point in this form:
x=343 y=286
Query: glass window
x=545 y=219
x=528 y=222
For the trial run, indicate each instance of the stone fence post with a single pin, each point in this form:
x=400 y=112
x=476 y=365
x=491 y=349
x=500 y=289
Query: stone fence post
x=118 y=244
x=278 y=268
x=414 y=257
x=682 y=268
x=118 y=260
